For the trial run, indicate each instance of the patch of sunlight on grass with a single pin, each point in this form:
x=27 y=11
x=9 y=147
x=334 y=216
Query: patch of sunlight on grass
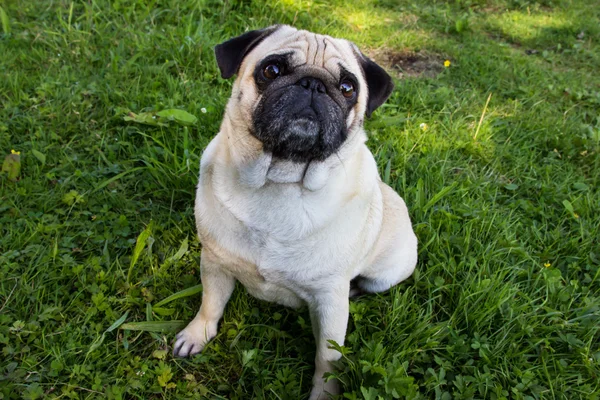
x=379 y=27
x=524 y=27
x=298 y=5
x=361 y=19
x=360 y=22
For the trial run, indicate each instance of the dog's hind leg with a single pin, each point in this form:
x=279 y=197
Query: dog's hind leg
x=395 y=255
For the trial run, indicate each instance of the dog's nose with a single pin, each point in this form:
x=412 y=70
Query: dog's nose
x=312 y=84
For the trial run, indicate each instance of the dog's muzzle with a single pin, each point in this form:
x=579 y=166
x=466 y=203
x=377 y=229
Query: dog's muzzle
x=299 y=120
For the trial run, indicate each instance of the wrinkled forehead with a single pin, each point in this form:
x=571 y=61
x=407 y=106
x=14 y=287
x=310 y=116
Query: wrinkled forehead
x=307 y=48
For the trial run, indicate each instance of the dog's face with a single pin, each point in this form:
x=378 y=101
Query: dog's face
x=300 y=94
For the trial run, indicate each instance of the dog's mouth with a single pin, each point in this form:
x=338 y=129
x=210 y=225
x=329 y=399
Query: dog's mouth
x=298 y=139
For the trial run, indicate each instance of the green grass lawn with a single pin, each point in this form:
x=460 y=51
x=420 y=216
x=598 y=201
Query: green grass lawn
x=505 y=200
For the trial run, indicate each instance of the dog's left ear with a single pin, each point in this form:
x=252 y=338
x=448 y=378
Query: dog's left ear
x=231 y=53
x=379 y=83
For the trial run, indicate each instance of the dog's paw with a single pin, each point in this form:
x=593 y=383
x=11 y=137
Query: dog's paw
x=323 y=390
x=193 y=338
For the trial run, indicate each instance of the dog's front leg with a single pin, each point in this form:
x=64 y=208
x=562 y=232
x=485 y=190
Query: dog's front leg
x=329 y=317
x=217 y=287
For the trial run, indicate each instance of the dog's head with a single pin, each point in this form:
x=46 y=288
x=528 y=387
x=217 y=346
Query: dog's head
x=299 y=93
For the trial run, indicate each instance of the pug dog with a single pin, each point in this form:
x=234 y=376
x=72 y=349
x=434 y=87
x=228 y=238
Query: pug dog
x=289 y=200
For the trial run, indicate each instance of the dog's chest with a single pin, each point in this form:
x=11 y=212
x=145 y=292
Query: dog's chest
x=289 y=239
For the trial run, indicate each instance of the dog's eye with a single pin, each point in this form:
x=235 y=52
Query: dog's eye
x=272 y=71
x=347 y=89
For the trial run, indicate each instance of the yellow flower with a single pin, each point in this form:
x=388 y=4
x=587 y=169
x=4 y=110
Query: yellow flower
x=547 y=264
x=424 y=126
x=447 y=63
x=15 y=152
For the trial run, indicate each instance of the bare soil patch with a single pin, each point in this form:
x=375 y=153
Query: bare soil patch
x=408 y=63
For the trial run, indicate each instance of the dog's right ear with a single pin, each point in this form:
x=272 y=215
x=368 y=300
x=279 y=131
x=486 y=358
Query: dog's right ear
x=231 y=53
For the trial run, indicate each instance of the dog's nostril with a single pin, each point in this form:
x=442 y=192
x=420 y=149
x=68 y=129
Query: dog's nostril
x=304 y=82
x=320 y=87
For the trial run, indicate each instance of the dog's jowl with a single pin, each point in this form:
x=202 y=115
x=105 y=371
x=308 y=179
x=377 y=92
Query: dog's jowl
x=289 y=200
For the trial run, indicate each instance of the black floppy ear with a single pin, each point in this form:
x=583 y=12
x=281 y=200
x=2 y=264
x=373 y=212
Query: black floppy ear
x=231 y=53
x=379 y=83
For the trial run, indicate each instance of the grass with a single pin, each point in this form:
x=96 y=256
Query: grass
x=505 y=302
